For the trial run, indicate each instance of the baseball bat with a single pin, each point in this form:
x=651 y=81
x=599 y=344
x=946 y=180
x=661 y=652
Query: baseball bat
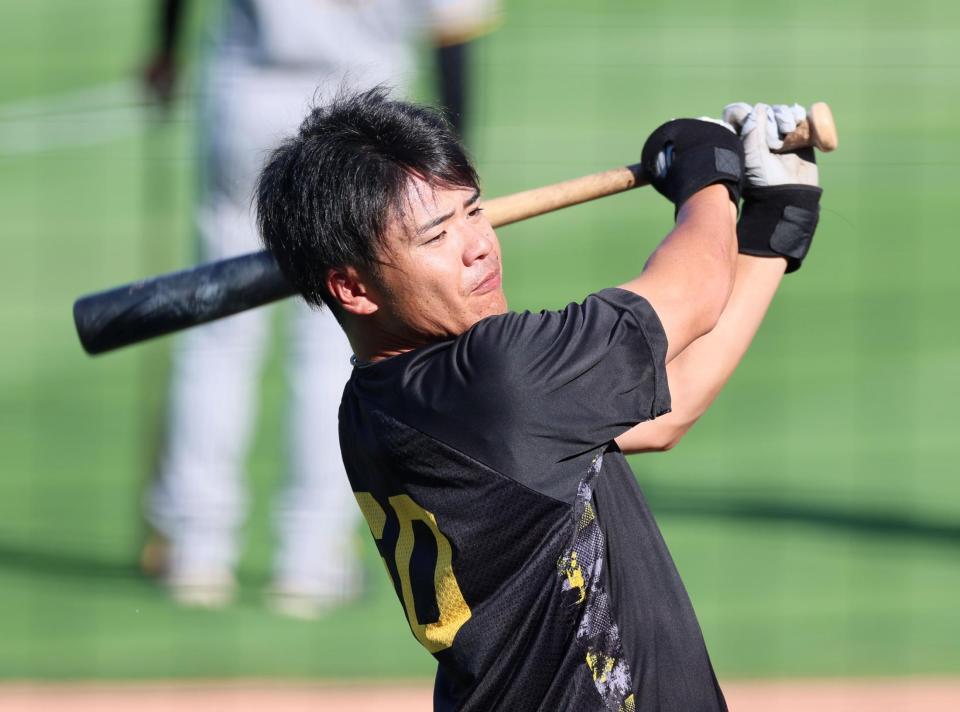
x=171 y=302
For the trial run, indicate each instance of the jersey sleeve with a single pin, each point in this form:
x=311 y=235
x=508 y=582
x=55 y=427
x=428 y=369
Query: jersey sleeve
x=455 y=21
x=560 y=384
x=533 y=396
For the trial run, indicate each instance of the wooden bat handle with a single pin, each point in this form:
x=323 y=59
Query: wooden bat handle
x=530 y=203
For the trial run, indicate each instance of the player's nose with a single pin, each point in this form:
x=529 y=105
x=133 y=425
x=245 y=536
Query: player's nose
x=478 y=244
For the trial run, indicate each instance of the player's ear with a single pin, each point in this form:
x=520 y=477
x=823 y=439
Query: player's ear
x=349 y=288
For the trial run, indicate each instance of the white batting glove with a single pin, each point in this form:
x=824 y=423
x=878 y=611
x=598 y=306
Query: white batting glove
x=781 y=198
x=762 y=128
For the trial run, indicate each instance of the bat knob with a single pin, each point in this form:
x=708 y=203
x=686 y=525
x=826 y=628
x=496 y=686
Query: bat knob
x=823 y=130
x=818 y=130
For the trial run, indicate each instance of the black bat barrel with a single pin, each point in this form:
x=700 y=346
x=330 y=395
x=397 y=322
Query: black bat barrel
x=169 y=302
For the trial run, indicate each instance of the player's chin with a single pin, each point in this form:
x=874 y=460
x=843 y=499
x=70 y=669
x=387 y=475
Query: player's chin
x=493 y=303
x=502 y=306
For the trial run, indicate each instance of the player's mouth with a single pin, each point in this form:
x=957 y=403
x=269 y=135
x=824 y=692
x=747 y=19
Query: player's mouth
x=489 y=283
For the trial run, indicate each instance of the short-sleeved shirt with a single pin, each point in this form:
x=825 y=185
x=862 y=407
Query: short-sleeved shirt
x=518 y=541
x=365 y=41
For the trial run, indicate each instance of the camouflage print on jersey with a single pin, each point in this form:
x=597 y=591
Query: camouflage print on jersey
x=581 y=575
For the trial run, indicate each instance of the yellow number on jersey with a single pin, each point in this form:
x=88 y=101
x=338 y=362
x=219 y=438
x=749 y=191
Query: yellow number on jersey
x=454 y=611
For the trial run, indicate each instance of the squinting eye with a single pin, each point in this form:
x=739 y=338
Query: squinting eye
x=435 y=238
x=476 y=211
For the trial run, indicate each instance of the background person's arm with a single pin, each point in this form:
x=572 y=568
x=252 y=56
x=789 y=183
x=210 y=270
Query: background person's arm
x=456 y=24
x=161 y=74
x=453 y=76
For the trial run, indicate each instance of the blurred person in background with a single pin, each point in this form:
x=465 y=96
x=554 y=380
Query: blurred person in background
x=265 y=63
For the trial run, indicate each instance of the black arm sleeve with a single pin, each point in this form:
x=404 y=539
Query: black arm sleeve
x=169 y=22
x=453 y=75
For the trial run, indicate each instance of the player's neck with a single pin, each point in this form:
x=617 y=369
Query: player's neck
x=372 y=344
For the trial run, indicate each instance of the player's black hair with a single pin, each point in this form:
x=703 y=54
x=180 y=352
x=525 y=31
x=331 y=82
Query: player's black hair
x=327 y=194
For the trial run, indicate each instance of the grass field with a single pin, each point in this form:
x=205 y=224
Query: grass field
x=814 y=513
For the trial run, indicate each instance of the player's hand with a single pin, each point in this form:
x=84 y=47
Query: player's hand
x=160 y=79
x=685 y=155
x=762 y=128
x=781 y=197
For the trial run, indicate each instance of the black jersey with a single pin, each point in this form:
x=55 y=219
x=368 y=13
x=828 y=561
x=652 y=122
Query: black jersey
x=520 y=546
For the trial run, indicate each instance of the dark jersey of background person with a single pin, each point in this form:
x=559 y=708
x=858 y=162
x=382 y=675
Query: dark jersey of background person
x=517 y=538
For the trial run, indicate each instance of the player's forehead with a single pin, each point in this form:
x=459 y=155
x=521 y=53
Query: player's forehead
x=424 y=204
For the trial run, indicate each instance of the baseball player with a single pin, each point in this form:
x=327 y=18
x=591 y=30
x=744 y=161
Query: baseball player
x=262 y=69
x=485 y=447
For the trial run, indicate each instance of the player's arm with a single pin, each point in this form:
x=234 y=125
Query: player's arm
x=697 y=375
x=161 y=73
x=697 y=165
x=780 y=201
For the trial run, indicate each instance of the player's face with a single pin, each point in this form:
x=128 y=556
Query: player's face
x=442 y=271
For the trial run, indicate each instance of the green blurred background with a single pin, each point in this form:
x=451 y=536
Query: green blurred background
x=814 y=512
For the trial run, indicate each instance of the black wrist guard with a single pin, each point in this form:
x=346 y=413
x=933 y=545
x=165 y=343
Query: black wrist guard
x=779 y=221
x=700 y=153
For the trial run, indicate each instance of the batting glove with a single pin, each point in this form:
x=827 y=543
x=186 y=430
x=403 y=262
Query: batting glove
x=685 y=155
x=781 y=198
